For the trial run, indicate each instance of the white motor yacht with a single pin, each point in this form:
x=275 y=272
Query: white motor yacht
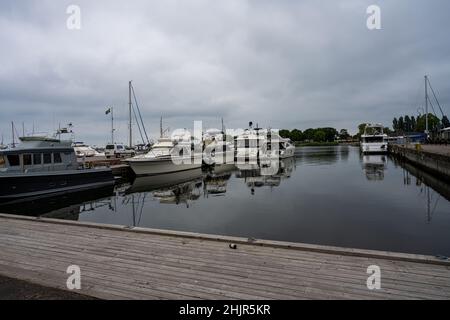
x=257 y=144
x=374 y=140
x=218 y=148
x=82 y=150
x=165 y=156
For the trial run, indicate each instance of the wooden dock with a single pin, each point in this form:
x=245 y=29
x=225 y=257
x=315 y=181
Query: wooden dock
x=135 y=263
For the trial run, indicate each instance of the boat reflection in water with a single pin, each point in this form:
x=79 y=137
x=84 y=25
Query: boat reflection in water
x=374 y=166
x=215 y=180
x=67 y=206
x=171 y=188
x=266 y=174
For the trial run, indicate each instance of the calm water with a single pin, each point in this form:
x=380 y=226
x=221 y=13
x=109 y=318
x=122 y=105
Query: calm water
x=326 y=195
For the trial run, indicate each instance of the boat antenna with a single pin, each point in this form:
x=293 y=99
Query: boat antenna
x=426 y=105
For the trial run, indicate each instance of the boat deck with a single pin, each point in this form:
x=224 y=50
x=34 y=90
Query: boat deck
x=136 y=263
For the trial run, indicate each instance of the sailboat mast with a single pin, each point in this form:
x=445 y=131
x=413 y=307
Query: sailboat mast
x=426 y=105
x=112 y=125
x=129 y=110
x=13 y=137
x=160 y=128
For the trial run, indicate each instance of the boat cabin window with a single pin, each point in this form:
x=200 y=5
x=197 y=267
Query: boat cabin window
x=27 y=160
x=373 y=139
x=14 y=160
x=109 y=147
x=47 y=158
x=119 y=147
x=37 y=158
x=57 y=158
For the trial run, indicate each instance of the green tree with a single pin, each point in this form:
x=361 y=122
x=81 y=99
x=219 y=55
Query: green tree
x=395 y=124
x=433 y=122
x=319 y=136
x=296 y=135
x=407 y=124
x=330 y=133
x=361 y=128
x=401 y=125
x=413 y=124
x=285 y=133
x=308 y=134
x=343 y=134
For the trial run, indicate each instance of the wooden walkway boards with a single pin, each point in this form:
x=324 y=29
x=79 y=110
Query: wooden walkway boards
x=118 y=262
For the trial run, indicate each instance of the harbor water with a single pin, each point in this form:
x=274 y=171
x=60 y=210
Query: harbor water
x=325 y=195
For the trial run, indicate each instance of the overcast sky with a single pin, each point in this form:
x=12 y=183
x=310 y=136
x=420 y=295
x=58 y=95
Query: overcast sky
x=283 y=64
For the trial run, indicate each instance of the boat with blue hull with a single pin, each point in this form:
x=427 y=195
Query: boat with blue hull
x=41 y=166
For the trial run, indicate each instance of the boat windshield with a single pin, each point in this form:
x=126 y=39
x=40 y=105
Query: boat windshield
x=373 y=139
x=247 y=143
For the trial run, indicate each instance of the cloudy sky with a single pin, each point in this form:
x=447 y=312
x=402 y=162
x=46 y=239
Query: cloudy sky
x=283 y=64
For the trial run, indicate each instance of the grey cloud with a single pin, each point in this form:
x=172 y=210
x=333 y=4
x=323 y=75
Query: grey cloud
x=283 y=64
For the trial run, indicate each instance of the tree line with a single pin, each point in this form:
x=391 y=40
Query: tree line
x=403 y=124
x=412 y=124
x=327 y=134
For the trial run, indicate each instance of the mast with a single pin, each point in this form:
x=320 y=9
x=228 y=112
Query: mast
x=13 y=137
x=129 y=110
x=160 y=128
x=112 y=125
x=426 y=105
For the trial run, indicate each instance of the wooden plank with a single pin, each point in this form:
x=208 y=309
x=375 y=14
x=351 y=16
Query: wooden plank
x=362 y=281
x=270 y=243
x=158 y=264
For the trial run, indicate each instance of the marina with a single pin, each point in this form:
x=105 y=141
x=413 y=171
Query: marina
x=324 y=196
x=225 y=150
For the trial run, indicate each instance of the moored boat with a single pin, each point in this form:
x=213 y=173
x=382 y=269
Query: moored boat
x=374 y=140
x=41 y=166
x=165 y=156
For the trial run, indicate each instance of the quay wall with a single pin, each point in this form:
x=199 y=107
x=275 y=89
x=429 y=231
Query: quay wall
x=438 y=164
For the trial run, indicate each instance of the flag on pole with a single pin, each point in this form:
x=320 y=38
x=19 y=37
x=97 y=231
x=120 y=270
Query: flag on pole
x=108 y=111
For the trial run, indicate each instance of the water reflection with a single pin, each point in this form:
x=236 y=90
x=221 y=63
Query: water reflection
x=216 y=180
x=318 y=156
x=431 y=189
x=266 y=174
x=67 y=206
x=324 y=196
x=374 y=166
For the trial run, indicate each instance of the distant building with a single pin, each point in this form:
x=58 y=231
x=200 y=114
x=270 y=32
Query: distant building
x=445 y=133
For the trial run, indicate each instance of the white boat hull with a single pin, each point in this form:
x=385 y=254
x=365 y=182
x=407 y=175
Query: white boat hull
x=153 y=167
x=378 y=147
